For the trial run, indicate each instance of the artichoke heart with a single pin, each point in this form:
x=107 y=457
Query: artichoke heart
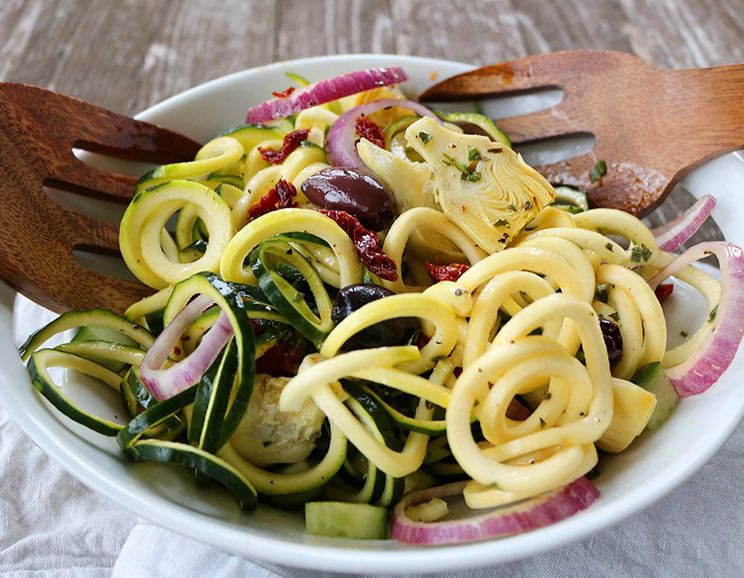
x=410 y=182
x=484 y=187
x=266 y=435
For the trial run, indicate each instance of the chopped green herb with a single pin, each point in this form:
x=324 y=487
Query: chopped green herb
x=599 y=170
x=640 y=252
x=713 y=313
x=609 y=247
x=468 y=172
x=474 y=155
x=615 y=316
x=527 y=206
x=501 y=223
x=542 y=422
x=600 y=293
x=424 y=137
x=683 y=333
x=512 y=207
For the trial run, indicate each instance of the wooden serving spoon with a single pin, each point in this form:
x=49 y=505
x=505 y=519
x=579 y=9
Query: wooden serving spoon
x=38 y=130
x=650 y=126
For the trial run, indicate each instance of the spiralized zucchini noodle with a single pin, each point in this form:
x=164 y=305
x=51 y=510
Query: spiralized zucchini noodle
x=355 y=298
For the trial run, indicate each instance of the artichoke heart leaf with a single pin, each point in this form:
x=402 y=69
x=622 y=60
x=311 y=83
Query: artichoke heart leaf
x=484 y=187
x=410 y=182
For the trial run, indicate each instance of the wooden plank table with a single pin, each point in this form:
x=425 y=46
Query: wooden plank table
x=129 y=54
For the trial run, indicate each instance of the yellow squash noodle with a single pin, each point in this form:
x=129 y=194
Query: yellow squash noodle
x=578 y=409
x=420 y=221
x=145 y=219
x=440 y=344
x=289 y=221
x=317 y=378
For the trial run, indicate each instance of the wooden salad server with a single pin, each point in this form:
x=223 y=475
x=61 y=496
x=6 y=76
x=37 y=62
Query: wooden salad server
x=650 y=126
x=38 y=130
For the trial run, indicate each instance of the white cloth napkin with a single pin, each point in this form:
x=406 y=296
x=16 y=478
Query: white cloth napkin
x=51 y=526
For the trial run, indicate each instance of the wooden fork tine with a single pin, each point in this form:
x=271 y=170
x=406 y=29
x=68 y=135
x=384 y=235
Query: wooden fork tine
x=61 y=116
x=136 y=140
x=623 y=186
x=548 y=123
x=99 y=290
x=77 y=177
x=99 y=236
x=518 y=75
x=567 y=70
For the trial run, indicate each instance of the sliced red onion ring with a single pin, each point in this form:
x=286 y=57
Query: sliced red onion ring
x=676 y=232
x=703 y=368
x=341 y=142
x=524 y=516
x=326 y=91
x=165 y=383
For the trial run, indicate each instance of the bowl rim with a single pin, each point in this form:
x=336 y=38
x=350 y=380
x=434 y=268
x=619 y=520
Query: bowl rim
x=246 y=541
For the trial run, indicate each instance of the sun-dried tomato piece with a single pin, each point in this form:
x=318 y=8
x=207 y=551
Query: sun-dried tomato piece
x=284 y=93
x=280 y=197
x=663 y=291
x=367 y=245
x=291 y=141
x=283 y=359
x=451 y=272
x=368 y=129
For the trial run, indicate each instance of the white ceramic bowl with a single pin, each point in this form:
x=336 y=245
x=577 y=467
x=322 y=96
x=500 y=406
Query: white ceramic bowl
x=629 y=482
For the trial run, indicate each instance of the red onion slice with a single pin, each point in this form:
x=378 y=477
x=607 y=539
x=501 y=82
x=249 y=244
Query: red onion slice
x=527 y=515
x=165 y=383
x=676 y=232
x=341 y=143
x=703 y=368
x=326 y=91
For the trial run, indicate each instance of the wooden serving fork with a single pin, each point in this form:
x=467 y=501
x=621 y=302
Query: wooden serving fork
x=650 y=126
x=38 y=130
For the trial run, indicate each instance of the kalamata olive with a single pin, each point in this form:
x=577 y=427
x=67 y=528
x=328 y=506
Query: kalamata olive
x=396 y=331
x=355 y=191
x=612 y=338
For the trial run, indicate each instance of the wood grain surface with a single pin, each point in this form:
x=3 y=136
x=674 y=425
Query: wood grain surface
x=129 y=54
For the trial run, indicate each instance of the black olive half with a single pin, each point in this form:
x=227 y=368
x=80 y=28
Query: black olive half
x=398 y=331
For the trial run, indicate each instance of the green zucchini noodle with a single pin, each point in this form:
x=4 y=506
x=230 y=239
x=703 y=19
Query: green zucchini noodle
x=484 y=333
